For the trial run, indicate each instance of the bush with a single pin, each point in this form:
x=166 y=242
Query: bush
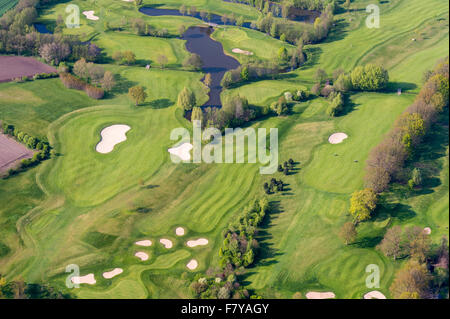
x=94 y=92
x=369 y=78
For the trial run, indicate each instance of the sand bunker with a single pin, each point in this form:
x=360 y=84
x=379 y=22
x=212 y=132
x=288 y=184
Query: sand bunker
x=179 y=231
x=337 y=138
x=320 y=295
x=427 y=230
x=374 y=295
x=145 y=243
x=198 y=242
x=111 y=136
x=141 y=255
x=112 y=273
x=192 y=264
x=182 y=151
x=239 y=51
x=90 y=15
x=88 y=279
x=166 y=242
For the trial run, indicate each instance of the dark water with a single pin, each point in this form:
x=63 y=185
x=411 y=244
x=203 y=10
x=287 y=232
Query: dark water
x=215 y=61
x=41 y=28
x=198 y=41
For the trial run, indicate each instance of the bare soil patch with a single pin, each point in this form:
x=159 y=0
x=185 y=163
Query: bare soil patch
x=12 y=67
x=11 y=152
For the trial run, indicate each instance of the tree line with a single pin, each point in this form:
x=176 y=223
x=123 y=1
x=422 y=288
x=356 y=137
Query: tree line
x=20 y=289
x=387 y=159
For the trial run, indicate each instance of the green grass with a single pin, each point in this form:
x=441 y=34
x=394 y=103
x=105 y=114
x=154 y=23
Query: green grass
x=87 y=208
x=147 y=49
x=261 y=45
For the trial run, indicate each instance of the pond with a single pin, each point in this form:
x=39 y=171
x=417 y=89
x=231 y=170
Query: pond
x=215 y=61
x=198 y=41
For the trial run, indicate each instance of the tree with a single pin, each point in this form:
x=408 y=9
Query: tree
x=137 y=94
x=282 y=54
x=162 y=60
x=117 y=56
x=348 y=232
x=416 y=176
x=54 y=52
x=369 y=77
x=186 y=99
x=182 y=29
x=411 y=282
x=108 y=81
x=183 y=9
x=343 y=83
x=297 y=295
x=80 y=69
x=197 y=114
x=391 y=245
x=320 y=76
x=208 y=80
x=129 y=57
x=194 y=61
x=245 y=74
x=418 y=243
x=362 y=204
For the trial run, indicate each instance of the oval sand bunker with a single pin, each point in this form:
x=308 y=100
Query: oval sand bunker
x=320 y=295
x=111 y=136
x=337 y=138
x=166 y=242
x=192 y=264
x=90 y=15
x=88 y=279
x=141 y=255
x=145 y=243
x=112 y=273
x=198 y=242
x=374 y=295
x=179 y=231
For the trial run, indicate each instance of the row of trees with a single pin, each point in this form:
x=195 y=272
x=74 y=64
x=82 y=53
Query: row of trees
x=295 y=32
x=238 y=251
x=22 y=290
x=234 y=112
x=386 y=160
x=369 y=77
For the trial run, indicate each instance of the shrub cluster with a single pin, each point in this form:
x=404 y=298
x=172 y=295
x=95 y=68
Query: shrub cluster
x=387 y=159
x=72 y=82
x=238 y=251
x=336 y=103
x=250 y=71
